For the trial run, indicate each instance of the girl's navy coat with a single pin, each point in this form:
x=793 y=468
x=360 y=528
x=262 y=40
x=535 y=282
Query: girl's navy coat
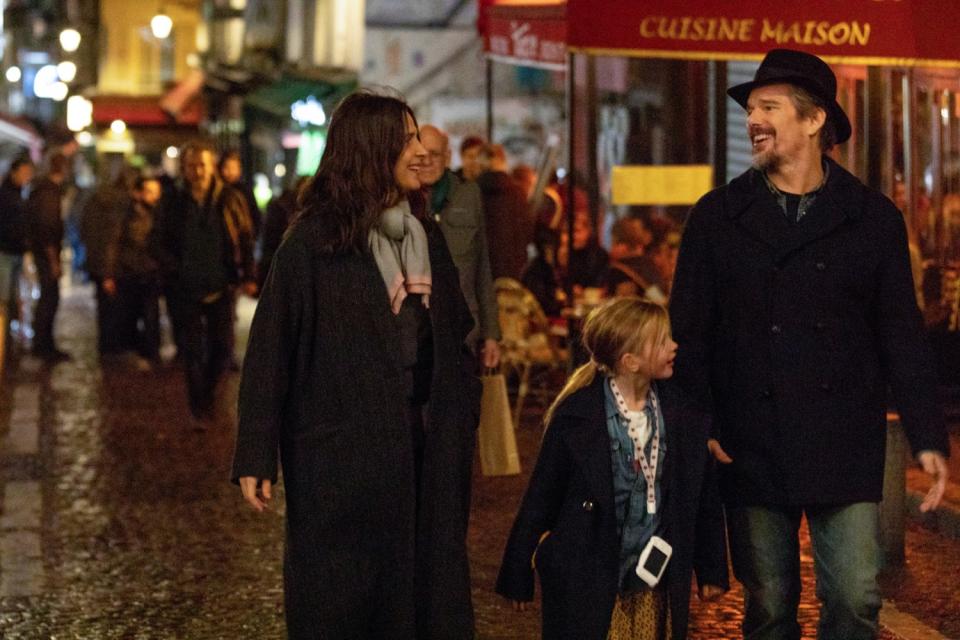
x=571 y=496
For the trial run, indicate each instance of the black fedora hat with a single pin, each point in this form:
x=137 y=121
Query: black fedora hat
x=803 y=70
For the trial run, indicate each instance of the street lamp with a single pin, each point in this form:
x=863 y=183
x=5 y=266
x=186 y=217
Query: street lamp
x=70 y=40
x=161 y=25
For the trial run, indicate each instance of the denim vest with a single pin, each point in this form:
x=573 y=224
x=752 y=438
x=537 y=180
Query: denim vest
x=634 y=525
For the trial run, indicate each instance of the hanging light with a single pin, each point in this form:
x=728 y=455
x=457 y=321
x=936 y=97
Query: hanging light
x=161 y=25
x=70 y=40
x=13 y=74
x=67 y=71
x=59 y=91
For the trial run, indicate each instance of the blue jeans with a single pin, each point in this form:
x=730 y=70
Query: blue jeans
x=765 y=551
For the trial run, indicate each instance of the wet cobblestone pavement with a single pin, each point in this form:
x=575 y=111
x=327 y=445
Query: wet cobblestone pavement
x=117 y=520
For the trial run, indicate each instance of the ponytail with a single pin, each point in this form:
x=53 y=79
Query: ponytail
x=615 y=327
x=579 y=379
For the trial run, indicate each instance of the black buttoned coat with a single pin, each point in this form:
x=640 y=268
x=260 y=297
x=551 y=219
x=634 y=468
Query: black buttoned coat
x=323 y=389
x=793 y=333
x=571 y=496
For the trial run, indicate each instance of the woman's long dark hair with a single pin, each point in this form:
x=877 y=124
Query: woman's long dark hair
x=355 y=180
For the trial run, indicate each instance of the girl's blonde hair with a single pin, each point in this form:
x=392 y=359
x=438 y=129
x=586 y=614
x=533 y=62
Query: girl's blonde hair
x=618 y=326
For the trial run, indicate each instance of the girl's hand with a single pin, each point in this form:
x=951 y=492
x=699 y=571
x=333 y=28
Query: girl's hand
x=711 y=592
x=519 y=605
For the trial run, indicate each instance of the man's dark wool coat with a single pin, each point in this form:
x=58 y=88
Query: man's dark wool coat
x=322 y=386
x=571 y=495
x=795 y=331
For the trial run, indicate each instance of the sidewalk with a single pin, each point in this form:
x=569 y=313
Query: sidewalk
x=117 y=521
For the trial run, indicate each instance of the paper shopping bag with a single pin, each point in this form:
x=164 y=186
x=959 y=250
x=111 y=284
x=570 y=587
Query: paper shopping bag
x=498 y=443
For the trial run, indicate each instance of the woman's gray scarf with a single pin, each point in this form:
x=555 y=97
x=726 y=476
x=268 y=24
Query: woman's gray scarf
x=399 y=245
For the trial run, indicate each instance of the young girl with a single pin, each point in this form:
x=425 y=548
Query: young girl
x=623 y=461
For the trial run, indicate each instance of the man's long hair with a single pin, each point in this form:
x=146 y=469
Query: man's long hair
x=355 y=180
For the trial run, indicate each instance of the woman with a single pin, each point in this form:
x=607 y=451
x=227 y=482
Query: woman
x=358 y=331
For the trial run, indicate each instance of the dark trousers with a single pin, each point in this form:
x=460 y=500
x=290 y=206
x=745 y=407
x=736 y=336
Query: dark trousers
x=175 y=314
x=111 y=335
x=139 y=302
x=46 y=310
x=206 y=342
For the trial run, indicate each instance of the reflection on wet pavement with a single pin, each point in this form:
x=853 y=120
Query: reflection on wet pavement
x=118 y=520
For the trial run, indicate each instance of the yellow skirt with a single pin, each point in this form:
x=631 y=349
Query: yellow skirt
x=643 y=615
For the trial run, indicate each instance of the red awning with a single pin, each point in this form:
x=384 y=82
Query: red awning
x=183 y=100
x=531 y=35
x=19 y=131
x=887 y=32
x=144 y=111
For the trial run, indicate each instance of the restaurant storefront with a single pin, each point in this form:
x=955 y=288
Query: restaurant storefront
x=525 y=49
x=647 y=89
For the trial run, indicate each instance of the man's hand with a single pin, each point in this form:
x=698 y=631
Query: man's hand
x=258 y=500
x=490 y=354
x=935 y=465
x=717 y=451
x=711 y=592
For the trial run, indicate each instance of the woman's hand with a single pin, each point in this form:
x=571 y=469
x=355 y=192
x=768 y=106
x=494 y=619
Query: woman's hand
x=713 y=445
x=258 y=499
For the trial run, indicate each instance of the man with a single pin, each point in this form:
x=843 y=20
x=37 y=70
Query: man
x=207 y=249
x=457 y=206
x=13 y=242
x=231 y=172
x=132 y=273
x=509 y=219
x=46 y=238
x=99 y=225
x=472 y=160
x=631 y=271
x=794 y=307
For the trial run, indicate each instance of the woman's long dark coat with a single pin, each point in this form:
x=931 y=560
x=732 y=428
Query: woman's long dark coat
x=323 y=388
x=571 y=495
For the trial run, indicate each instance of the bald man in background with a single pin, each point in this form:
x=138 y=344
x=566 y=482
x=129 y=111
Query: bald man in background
x=457 y=206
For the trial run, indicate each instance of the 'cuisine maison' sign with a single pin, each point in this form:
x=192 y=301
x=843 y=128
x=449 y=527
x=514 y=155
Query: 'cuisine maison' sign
x=871 y=31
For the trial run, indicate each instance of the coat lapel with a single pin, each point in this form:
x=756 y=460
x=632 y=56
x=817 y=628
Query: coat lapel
x=751 y=206
x=830 y=210
x=754 y=210
x=590 y=443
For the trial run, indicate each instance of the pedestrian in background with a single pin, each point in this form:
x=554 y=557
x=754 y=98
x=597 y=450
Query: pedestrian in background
x=472 y=159
x=281 y=211
x=14 y=239
x=206 y=249
x=46 y=239
x=623 y=468
x=132 y=273
x=100 y=221
x=457 y=205
x=230 y=169
x=794 y=302
x=510 y=221
x=353 y=375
